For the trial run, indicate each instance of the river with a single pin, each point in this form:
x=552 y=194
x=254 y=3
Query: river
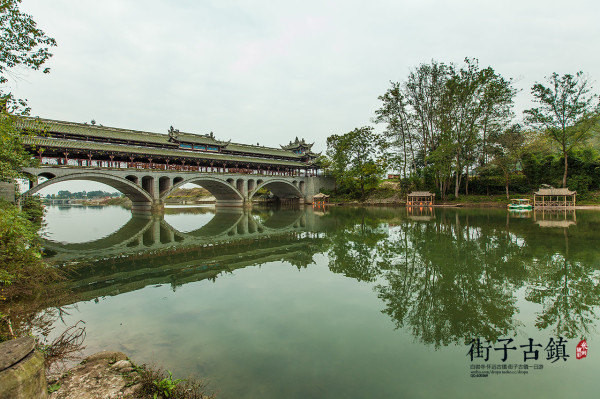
x=341 y=303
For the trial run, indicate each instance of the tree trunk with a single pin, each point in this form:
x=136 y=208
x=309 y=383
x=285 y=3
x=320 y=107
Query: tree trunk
x=457 y=184
x=564 y=182
x=506 y=181
x=467 y=182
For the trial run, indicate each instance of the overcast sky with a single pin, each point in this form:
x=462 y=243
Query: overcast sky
x=268 y=71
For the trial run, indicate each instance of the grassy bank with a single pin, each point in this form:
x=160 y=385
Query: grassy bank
x=189 y=195
x=392 y=193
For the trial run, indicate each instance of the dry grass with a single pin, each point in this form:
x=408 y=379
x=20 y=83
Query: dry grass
x=66 y=347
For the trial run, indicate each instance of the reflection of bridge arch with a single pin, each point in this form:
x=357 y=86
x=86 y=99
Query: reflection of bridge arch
x=134 y=192
x=152 y=232
x=280 y=188
x=222 y=190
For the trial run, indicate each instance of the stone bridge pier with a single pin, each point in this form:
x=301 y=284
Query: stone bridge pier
x=148 y=189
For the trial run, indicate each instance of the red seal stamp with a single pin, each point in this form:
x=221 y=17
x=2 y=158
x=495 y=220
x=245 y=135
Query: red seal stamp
x=581 y=349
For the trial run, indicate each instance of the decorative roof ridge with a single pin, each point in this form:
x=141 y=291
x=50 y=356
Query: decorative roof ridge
x=88 y=125
x=254 y=146
x=205 y=135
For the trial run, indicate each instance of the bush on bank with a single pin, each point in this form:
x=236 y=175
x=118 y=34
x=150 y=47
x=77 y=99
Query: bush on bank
x=23 y=272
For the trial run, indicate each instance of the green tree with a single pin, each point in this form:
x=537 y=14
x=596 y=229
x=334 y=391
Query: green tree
x=474 y=100
x=439 y=121
x=395 y=113
x=355 y=160
x=22 y=44
x=565 y=104
x=507 y=152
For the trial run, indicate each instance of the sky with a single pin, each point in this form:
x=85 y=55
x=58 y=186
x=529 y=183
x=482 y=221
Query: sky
x=268 y=71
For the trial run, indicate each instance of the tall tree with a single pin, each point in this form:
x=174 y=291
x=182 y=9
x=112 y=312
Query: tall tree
x=564 y=103
x=507 y=149
x=355 y=161
x=439 y=120
x=395 y=113
x=475 y=99
x=22 y=44
x=424 y=90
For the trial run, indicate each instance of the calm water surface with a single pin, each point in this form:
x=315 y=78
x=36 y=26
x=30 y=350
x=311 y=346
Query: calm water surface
x=348 y=303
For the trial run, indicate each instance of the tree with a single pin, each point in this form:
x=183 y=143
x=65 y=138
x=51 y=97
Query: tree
x=398 y=132
x=439 y=121
x=507 y=152
x=22 y=44
x=564 y=106
x=354 y=159
x=474 y=101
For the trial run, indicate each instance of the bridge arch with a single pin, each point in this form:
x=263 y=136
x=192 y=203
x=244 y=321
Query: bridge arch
x=135 y=193
x=47 y=175
x=280 y=188
x=222 y=190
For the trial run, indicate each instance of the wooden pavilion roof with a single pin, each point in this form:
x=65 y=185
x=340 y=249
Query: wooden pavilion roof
x=421 y=194
x=554 y=191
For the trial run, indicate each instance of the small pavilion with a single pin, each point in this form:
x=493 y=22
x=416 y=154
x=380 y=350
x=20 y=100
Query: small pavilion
x=320 y=199
x=554 y=198
x=420 y=198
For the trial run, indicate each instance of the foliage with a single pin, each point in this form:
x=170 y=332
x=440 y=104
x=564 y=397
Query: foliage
x=564 y=112
x=157 y=383
x=22 y=270
x=19 y=244
x=507 y=152
x=355 y=162
x=440 y=120
x=23 y=273
x=22 y=43
x=33 y=210
x=166 y=386
x=13 y=156
x=66 y=194
x=54 y=387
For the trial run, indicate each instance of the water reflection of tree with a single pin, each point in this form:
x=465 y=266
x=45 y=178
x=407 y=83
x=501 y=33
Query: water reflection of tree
x=450 y=282
x=568 y=288
x=354 y=245
x=455 y=278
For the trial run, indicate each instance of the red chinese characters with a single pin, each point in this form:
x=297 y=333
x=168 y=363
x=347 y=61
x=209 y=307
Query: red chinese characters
x=581 y=349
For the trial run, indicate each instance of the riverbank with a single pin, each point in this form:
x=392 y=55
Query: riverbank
x=390 y=194
x=113 y=375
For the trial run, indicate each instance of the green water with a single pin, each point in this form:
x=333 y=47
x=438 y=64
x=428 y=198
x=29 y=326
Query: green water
x=351 y=303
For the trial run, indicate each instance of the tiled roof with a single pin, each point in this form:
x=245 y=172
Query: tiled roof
x=145 y=151
x=297 y=144
x=86 y=130
x=555 y=191
x=81 y=129
x=261 y=150
x=198 y=139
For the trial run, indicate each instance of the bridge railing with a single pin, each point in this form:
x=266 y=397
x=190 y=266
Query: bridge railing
x=107 y=164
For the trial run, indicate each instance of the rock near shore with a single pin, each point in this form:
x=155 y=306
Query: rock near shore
x=106 y=375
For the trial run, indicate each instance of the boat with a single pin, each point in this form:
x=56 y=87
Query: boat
x=520 y=204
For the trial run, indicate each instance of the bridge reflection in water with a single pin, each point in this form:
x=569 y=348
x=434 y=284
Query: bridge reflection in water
x=446 y=276
x=148 y=251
